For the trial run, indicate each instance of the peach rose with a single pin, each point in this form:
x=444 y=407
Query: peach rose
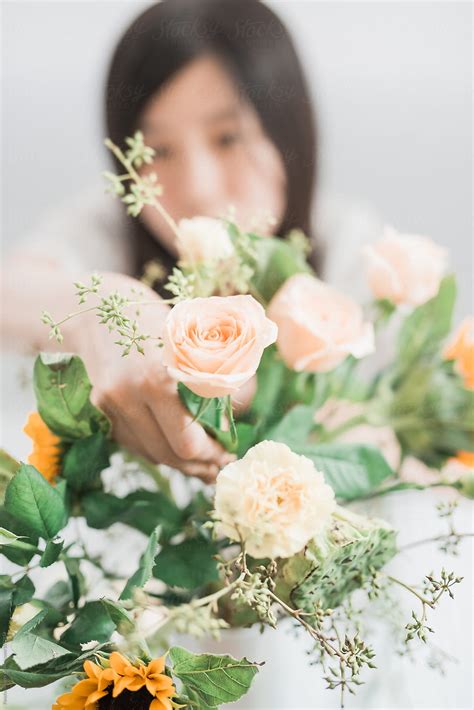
x=214 y=345
x=461 y=350
x=318 y=327
x=203 y=240
x=273 y=499
x=405 y=268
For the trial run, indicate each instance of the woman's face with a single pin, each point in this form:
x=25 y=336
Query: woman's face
x=211 y=153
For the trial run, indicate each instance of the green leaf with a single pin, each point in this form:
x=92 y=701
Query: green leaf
x=62 y=390
x=8 y=467
x=189 y=564
x=24 y=591
x=45 y=673
x=51 y=552
x=214 y=679
x=352 y=470
x=76 y=578
x=6 y=611
x=27 y=679
x=294 y=428
x=145 y=569
x=425 y=328
x=271 y=375
x=30 y=649
x=277 y=260
x=143 y=510
x=18 y=554
x=85 y=460
x=91 y=623
x=35 y=502
x=120 y=616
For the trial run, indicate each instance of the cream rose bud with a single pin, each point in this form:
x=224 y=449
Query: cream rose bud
x=203 y=239
x=214 y=345
x=272 y=499
x=405 y=268
x=318 y=327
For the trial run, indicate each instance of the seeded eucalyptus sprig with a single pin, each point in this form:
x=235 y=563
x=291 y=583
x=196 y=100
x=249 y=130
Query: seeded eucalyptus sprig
x=433 y=591
x=133 y=189
x=110 y=311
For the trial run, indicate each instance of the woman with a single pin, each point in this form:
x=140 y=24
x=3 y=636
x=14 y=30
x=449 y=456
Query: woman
x=219 y=93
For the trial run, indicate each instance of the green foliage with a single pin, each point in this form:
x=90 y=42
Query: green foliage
x=276 y=260
x=142 y=509
x=51 y=552
x=145 y=568
x=25 y=548
x=84 y=461
x=31 y=649
x=339 y=560
x=425 y=328
x=352 y=470
x=432 y=414
x=92 y=622
x=47 y=671
x=36 y=503
x=212 y=680
x=8 y=467
x=62 y=390
x=189 y=564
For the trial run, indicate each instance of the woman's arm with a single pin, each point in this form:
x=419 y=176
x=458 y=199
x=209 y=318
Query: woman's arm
x=135 y=391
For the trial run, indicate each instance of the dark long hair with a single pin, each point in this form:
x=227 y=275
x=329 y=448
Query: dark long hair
x=256 y=48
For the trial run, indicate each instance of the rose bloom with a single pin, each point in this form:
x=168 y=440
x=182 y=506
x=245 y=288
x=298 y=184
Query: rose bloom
x=272 y=499
x=203 y=239
x=214 y=345
x=405 y=268
x=461 y=350
x=318 y=327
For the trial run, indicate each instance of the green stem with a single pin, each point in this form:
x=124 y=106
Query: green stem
x=137 y=179
x=438 y=538
x=402 y=486
x=422 y=599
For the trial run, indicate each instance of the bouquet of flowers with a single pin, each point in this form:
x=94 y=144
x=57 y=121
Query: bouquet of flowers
x=276 y=538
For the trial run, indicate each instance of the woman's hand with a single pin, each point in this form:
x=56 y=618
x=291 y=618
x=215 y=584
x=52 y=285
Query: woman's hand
x=136 y=392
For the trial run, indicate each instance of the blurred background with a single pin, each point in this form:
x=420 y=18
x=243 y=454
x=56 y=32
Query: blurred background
x=392 y=83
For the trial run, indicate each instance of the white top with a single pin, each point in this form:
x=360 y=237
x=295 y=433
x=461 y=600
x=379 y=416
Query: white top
x=89 y=233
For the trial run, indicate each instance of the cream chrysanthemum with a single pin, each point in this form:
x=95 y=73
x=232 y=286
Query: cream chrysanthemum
x=273 y=500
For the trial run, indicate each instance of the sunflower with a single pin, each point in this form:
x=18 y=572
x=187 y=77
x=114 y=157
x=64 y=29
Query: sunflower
x=135 y=677
x=45 y=456
x=86 y=693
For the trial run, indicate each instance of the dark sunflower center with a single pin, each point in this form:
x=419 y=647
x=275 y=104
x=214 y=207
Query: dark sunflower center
x=139 y=700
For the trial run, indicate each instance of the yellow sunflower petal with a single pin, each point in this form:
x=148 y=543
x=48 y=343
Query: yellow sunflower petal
x=119 y=663
x=92 y=669
x=160 y=684
x=161 y=704
x=94 y=697
x=157 y=665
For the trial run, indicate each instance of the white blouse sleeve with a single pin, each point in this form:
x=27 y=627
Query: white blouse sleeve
x=89 y=233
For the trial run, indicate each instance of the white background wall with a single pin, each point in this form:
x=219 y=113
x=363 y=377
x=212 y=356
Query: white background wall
x=392 y=82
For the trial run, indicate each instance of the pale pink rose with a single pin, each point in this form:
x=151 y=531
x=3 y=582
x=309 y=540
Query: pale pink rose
x=273 y=500
x=405 y=268
x=203 y=240
x=214 y=345
x=318 y=327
